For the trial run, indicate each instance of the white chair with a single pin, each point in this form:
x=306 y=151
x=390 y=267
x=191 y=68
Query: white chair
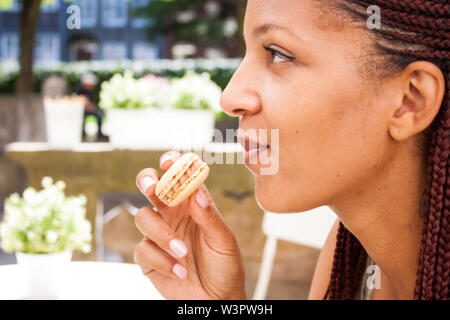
x=309 y=228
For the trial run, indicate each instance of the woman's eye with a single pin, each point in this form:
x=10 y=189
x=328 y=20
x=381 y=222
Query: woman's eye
x=278 y=56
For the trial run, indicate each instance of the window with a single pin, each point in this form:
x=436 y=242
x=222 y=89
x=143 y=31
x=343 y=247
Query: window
x=138 y=22
x=16 y=6
x=47 y=47
x=114 y=13
x=144 y=51
x=9 y=43
x=114 y=50
x=50 y=7
x=88 y=11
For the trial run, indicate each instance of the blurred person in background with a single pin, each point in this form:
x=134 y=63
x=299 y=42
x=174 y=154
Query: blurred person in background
x=86 y=89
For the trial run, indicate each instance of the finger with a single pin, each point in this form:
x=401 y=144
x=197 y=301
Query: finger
x=208 y=218
x=152 y=259
x=167 y=159
x=151 y=225
x=146 y=181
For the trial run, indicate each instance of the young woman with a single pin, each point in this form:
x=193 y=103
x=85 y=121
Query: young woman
x=364 y=127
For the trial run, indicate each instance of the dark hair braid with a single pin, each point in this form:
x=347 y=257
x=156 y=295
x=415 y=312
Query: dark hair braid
x=338 y=263
x=411 y=30
x=434 y=261
x=434 y=9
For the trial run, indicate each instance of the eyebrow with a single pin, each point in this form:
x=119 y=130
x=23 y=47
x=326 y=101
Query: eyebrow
x=267 y=27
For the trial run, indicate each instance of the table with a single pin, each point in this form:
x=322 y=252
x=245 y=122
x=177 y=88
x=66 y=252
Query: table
x=87 y=281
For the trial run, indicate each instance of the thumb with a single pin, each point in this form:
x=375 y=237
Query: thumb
x=208 y=218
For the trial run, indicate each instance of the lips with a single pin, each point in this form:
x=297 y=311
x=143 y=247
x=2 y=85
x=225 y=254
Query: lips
x=250 y=144
x=252 y=148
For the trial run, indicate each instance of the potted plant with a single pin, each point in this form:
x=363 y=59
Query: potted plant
x=157 y=113
x=43 y=228
x=64 y=121
x=131 y=106
x=195 y=99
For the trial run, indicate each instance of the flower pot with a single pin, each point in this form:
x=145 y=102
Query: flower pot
x=153 y=128
x=64 y=123
x=44 y=273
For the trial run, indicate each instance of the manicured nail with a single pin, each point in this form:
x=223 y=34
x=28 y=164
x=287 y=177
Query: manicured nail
x=146 y=182
x=179 y=271
x=201 y=199
x=164 y=158
x=178 y=247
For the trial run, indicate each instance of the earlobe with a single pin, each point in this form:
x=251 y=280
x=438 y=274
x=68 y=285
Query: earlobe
x=422 y=95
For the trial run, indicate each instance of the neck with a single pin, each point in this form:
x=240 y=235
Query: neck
x=383 y=214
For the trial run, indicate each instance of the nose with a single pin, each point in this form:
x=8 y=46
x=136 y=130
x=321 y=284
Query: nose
x=240 y=97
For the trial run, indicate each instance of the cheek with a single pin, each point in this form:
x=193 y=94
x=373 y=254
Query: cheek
x=328 y=138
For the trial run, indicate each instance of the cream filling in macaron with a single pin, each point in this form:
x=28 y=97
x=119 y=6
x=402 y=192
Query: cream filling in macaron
x=177 y=193
x=183 y=180
x=177 y=177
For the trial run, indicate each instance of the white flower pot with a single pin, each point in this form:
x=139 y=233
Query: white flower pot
x=44 y=273
x=153 y=128
x=64 y=124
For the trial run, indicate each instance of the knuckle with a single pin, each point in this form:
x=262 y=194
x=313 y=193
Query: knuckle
x=138 y=250
x=211 y=217
x=166 y=235
x=164 y=267
x=147 y=271
x=140 y=216
x=138 y=219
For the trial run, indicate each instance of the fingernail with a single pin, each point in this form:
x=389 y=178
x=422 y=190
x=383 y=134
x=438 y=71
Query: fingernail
x=201 y=199
x=179 y=271
x=164 y=158
x=178 y=247
x=146 y=182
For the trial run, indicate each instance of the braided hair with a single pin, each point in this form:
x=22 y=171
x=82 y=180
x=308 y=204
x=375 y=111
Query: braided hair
x=411 y=30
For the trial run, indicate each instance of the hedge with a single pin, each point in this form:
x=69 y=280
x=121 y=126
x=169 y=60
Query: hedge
x=220 y=70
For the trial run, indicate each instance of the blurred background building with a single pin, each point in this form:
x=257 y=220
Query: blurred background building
x=117 y=29
x=108 y=31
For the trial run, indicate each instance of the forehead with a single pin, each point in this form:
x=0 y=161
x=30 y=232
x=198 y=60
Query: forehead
x=297 y=15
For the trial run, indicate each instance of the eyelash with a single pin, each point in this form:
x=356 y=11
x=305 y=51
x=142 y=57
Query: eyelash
x=276 y=53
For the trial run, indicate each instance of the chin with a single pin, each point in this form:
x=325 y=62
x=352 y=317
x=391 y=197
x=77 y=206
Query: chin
x=268 y=200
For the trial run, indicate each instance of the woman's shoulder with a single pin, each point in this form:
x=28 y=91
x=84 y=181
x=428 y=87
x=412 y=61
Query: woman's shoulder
x=324 y=265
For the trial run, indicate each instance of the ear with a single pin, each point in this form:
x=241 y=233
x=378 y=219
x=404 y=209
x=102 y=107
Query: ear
x=422 y=89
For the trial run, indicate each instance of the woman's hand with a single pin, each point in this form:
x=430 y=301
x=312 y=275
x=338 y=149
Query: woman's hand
x=187 y=252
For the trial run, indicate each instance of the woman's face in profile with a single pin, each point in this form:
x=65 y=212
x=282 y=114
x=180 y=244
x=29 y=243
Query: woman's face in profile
x=305 y=74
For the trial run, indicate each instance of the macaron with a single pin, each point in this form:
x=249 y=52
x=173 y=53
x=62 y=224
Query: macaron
x=182 y=179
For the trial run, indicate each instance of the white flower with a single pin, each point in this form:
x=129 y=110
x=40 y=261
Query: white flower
x=14 y=198
x=45 y=221
x=31 y=196
x=46 y=182
x=41 y=212
x=28 y=211
x=230 y=27
x=86 y=248
x=61 y=185
x=79 y=212
x=51 y=236
x=31 y=235
x=196 y=91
